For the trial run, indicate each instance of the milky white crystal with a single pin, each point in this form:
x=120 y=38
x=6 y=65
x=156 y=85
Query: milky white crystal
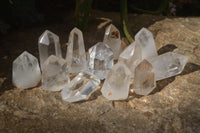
x=26 y=72
x=55 y=75
x=167 y=65
x=144 y=39
x=100 y=60
x=144 y=78
x=116 y=84
x=112 y=39
x=75 y=56
x=80 y=88
x=131 y=56
x=48 y=44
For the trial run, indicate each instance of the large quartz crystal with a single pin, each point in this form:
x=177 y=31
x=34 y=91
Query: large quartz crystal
x=112 y=39
x=80 y=88
x=26 y=71
x=116 y=85
x=144 y=78
x=167 y=65
x=76 y=58
x=48 y=44
x=55 y=75
x=131 y=56
x=100 y=60
x=146 y=42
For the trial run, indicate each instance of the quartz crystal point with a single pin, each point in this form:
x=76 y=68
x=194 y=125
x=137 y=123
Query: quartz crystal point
x=100 y=60
x=144 y=78
x=48 y=44
x=55 y=75
x=112 y=39
x=76 y=57
x=80 y=88
x=116 y=85
x=146 y=42
x=131 y=56
x=26 y=71
x=167 y=65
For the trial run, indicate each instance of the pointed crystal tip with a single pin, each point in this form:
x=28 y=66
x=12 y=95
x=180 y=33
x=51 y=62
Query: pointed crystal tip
x=112 y=39
x=26 y=71
x=55 y=75
x=75 y=56
x=116 y=85
x=100 y=60
x=168 y=64
x=144 y=78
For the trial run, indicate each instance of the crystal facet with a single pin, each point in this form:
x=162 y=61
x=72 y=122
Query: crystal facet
x=146 y=42
x=80 y=88
x=131 y=56
x=26 y=71
x=112 y=39
x=144 y=78
x=76 y=57
x=100 y=60
x=48 y=44
x=55 y=75
x=116 y=85
x=167 y=65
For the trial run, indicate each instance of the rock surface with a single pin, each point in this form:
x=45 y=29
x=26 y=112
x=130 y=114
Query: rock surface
x=174 y=106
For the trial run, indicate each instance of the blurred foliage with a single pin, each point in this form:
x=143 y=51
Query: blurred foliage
x=82 y=13
x=14 y=13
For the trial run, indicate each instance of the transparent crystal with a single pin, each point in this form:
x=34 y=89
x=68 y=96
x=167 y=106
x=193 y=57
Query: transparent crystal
x=116 y=85
x=48 y=44
x=112 y=39
x=146 y=42
x=76 y=57
x=168 y=64
x=144 y=78
x=80 y=88
x=100 y=60
x=55 y=75
x=131 y=56
x=26 y=71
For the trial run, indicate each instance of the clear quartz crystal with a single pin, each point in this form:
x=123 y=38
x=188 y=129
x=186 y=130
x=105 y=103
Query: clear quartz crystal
x=112 y=39
x=48 y=44
x=100 y=60
x=55 y=75
x=80 y=88
x=26 y=71
x=144 y=78
x=131 y=56
x=75 y=56
x=116 y=85
x=146 y=42
x=167 y=65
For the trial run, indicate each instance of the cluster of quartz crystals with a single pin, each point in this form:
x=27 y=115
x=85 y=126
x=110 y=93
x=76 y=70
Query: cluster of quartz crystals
x=139 y=61
x=145 y=65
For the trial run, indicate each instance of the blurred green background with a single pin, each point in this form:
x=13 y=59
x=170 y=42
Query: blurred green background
x=23 y=13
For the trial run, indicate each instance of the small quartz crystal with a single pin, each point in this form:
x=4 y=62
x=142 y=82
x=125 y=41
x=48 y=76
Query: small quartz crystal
x=26 y=71
x=76 y=58
x=131 y=56
x=100 y=60
x=167 y=65
x=116 y=85
x=55 y=75
x=48 y=44
x=144 y=78
x=80 y=88
x=112 y=39
x=146 y=42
